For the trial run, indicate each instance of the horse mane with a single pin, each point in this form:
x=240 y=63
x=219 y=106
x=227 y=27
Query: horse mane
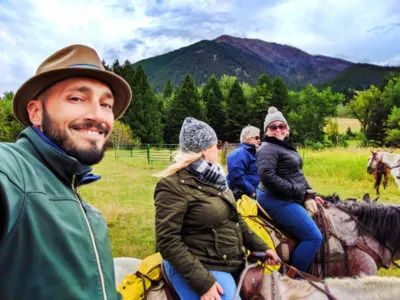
x=379 y=220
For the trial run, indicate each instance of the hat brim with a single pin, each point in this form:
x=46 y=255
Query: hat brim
x=33 y=86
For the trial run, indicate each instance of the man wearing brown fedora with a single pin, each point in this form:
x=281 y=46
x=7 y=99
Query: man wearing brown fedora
x=52 y=243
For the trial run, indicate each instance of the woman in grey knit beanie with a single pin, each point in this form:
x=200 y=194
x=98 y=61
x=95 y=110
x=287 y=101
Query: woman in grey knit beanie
x=284 y=191
x=199 y=232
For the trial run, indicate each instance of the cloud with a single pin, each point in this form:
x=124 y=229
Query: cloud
x=393 y=61
x=385 y=28
x=30 y=30
x=132 y=44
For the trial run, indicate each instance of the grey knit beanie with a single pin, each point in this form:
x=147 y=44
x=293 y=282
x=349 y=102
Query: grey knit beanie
x=273 y=115
x=196 y=136
x=248 y=132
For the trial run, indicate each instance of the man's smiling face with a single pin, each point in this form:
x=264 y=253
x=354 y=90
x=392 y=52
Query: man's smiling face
x=76 y=114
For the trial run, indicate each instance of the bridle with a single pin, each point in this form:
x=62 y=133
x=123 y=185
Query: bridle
x=371 y=160
x=374 y=158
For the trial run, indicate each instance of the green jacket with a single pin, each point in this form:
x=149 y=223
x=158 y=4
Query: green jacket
x=198 y=229
x=53 y=245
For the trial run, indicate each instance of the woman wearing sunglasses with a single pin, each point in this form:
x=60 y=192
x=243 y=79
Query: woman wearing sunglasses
x=242 y=168
x=283 y=189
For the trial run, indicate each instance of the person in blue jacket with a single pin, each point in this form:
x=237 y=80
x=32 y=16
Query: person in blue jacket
x=243 y=176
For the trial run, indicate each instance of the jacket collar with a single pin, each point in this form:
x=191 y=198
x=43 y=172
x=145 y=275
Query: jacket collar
x=248 y=147
x=274 y=140
x=191 y=180
x=62 y=165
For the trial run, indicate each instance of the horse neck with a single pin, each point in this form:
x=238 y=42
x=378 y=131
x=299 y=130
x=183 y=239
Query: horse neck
x=389 y=158
x=369 y=287
x=382 y=222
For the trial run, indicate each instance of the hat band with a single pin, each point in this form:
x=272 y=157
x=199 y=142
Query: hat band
x=84 y=66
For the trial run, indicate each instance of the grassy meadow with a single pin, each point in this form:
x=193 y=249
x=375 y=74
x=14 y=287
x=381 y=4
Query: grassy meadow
x=125 y=193
x=345 y=123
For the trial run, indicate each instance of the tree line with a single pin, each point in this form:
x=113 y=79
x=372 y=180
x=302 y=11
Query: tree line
x=228 y=105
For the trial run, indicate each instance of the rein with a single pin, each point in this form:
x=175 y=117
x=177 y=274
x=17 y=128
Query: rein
x=311 y=280
x=395 y=166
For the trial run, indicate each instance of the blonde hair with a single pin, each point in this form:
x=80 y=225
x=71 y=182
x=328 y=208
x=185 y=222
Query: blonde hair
x=181 y=161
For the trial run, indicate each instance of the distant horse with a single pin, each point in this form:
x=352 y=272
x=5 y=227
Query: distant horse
x=276 y=286
x=359 y=238
x=380 y=164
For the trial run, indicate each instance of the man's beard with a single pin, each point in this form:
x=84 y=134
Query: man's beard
x=88 y=156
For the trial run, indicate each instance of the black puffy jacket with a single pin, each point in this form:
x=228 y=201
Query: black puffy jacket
x=279 y=166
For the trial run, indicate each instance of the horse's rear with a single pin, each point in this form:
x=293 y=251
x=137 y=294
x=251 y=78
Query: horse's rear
x=124 y=266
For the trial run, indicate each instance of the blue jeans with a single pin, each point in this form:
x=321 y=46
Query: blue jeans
x=225 y=280
x=294 y=219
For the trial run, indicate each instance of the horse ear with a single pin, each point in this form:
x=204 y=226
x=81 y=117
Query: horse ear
x=366 y=198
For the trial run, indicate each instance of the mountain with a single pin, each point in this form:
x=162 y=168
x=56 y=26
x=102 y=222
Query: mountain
x=247 y=59
x=360 y=77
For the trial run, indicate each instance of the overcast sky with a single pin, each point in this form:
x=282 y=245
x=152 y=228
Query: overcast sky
x=31 y=30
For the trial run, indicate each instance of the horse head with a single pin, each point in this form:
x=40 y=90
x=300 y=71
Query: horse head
x=372 y=162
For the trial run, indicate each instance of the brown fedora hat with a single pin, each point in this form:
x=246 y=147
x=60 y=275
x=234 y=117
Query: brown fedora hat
x=72 y=61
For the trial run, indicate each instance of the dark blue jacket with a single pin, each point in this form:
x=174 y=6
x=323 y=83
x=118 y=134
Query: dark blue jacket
x=242 y=169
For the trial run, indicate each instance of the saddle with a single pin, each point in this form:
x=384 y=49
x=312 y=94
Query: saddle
x=331 y=250
x=249 y=285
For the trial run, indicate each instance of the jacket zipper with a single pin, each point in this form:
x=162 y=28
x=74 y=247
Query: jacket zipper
x=91 y=237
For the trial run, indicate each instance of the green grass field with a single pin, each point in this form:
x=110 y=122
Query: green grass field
x=125 y=193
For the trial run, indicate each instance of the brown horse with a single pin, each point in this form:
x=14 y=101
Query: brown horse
x=381 y=164
x=359 y=238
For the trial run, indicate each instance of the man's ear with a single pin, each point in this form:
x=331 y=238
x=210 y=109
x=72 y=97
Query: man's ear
x=35 y=112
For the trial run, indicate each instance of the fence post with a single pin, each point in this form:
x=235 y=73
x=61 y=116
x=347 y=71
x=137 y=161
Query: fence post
x=148 y=153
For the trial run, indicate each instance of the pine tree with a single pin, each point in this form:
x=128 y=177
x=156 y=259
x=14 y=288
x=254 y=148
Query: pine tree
x=237 y=111
x=168 y=89
x=376 y=128
x=264 y=80
x=186 y=103
x=280 y=96
x=215 y=110
x=260 y=103
x=9 y=126
x=143 y=114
